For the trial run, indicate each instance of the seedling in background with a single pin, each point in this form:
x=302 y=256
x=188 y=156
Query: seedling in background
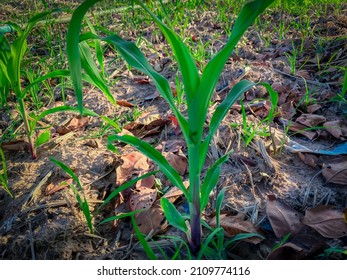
x=79 y=193
x=3 y=174
x=198 y=93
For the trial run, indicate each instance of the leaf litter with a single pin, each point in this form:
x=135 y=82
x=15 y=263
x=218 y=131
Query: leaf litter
x=304 y=167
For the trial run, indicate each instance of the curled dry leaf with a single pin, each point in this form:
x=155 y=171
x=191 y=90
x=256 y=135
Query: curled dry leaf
x=301 y=129
x=133 y=163
x=309 y=159
x=310 y=120
x=313 y=108
x=57 y=186
x=147 y=124
x=178 y=162
x=328 y=222
x=142 y=198
x=288 y=251
x=335 y=173
x=335 y=128
x=151 y=220
x=283 y=218
x=174 y=193
x=76 y=123
x=234 y=225
x=124 y=103
x=287 y=110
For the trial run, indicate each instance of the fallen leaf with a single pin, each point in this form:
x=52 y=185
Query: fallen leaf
x=133 y=163
x=328 y=222
x=303 y=130
x=334 y=128
x=234 y=225
x=147 y=124
x=335 y=173
x=288 y=251
x=304 y=74
x=151 y=221
x=177 y=161
x=146 y=182
x=76 y=123
x=309 y=159
x=283 y=218
x=287 y=110
x=313 y=108
x=142 y=198
x=57 y=186
x=124 y=103
x=310 y=120
x=141 y=80
x=174 y=193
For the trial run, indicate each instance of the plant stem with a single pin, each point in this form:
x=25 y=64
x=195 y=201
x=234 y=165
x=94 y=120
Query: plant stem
x=27 y=126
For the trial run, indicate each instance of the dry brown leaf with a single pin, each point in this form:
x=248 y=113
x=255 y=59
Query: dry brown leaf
x=310 y=120
x=283 y=218
x=124 y=103
x=234 y=225
x=287 y=110
x=309 y=159
x=147 y=182
x=304 y=74
x=142 y=198
x=335 y=173
x=147 y=124
x=178 y=162
x=288 y=251
x=313 y=108
x=133 y=163
x=54 y=187
x=76 y=123
x=279 y=88
x=328 y=222
x=334 y=128
x=151 y=220
x=301 y=129
x=174 y=193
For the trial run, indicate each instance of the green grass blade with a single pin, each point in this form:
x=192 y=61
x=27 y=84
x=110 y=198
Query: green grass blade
x=154 y=155
x=241 y=236
x=211 y=180
x=220 y=112
x=135 y=58
x=93 y=72
x=64 y=108
x=83 y=203
x=215 y=66
x=344 y=86
x=173 y=217
x=142 y=240
x=207 y=242
x=187 y=66
x=98 y=49
x=72 y=49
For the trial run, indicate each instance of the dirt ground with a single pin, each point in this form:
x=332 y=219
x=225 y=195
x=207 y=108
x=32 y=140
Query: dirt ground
x=41 y=223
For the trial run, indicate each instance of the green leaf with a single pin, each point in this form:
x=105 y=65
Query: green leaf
x=154 y=155
x=207 y=242
x=43 y=138
x=187 y=66
x=72 y=49
x=65 y=108
x=220 y=112
x=83 y=203
x=214 y=68
x=173 y=217
x=211 y=180
x=93 y=72
x=219 y=201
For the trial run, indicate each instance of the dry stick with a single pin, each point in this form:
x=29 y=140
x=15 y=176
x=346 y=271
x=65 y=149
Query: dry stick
x=308 y=189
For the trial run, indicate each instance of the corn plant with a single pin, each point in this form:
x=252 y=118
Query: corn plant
x=3 y=174
x=198 y=93
x=11 y=56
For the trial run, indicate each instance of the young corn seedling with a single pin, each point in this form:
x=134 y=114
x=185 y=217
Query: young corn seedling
x=11 y=57
x=3 y=174
x=198 y=93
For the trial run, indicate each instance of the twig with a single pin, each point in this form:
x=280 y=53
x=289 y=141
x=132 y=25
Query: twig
x=31 y=240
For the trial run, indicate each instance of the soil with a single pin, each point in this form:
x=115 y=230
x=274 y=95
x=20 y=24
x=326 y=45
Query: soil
x=38 y=224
